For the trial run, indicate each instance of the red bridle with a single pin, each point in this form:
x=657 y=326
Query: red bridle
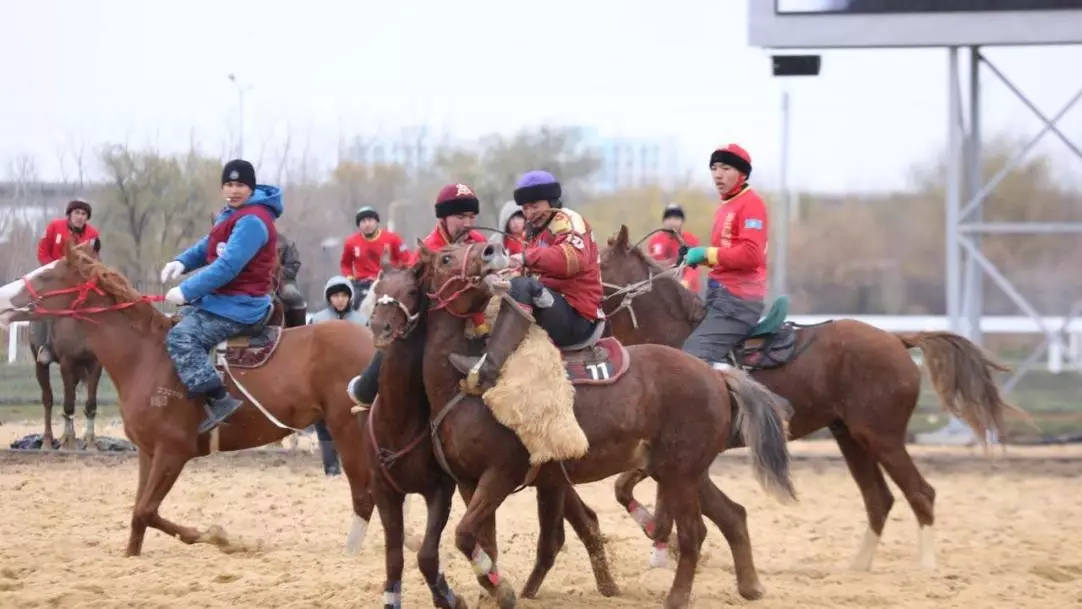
x=468 y=282
x=83 y=290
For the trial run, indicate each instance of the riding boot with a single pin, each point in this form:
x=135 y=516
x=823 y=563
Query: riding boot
x=295 y=318
x=512 y=324
x=362 y=389
x=218 y=409
x=330 y=459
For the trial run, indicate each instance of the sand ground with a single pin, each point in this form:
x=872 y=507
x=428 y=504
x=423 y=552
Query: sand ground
x=1008 y=530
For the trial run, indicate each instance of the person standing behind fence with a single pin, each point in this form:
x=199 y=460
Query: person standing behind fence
x=339 y=294
x=365 y=250
x=74 y=228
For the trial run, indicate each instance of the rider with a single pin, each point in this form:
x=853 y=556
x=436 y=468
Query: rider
x=231 y=296
x=665 y=247
x=75 y=228
x=339 y=294
x=560 y=285
x=737 y=255
x=365 y=250
x=456 y=213
x=289 y=262
x=513 y=223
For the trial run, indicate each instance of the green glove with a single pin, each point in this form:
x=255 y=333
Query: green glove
x=696 y=255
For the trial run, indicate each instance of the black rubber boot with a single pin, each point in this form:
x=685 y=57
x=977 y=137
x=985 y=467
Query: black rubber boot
x=295 y=318
x=363 y=389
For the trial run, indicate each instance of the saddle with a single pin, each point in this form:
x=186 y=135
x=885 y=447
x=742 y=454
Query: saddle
x=596 y=360
x=254 y=348
x=771 y=343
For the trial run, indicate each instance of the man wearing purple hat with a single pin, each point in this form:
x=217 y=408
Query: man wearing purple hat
x=561 y=282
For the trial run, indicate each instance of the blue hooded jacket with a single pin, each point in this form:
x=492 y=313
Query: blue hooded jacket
x=249 y=234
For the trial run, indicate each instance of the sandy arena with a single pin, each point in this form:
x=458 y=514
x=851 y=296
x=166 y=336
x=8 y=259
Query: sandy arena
x=1008 y=531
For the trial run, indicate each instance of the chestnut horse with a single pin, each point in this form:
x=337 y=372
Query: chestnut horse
x=302 y=381
x=401 y=459
x=77 y=364
x=849 y=376
x=670 y=410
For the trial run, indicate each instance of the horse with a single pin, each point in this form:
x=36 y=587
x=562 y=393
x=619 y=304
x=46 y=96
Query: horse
x=289 y=378
x=77 y=364
x=401 y=458
x=848 y=376
x=660 y=408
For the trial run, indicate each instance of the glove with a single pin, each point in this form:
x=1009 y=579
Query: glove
x=175 y=296
x=697 y=255
x=172 y=270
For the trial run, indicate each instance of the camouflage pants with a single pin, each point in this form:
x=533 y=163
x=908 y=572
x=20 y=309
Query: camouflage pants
x=189 y=343
x=39 y=332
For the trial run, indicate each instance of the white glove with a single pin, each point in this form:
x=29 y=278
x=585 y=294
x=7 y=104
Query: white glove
x=175 y=296
x=172 y=270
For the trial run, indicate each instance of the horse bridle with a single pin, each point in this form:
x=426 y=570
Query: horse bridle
x=633 y=290
x=83 y=290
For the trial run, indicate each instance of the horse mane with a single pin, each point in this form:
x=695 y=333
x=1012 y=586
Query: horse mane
x=690 y=303
x=117 y=287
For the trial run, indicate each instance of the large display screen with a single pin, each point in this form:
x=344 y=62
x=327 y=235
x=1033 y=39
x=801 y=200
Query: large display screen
x=784 y=7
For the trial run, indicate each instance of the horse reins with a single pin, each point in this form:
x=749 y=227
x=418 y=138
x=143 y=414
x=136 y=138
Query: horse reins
x=83 y=290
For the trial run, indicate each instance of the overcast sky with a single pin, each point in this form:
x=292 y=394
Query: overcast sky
x=129 y=70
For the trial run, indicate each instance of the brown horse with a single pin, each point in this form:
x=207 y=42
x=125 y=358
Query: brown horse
x=668 y=410
x=77 y=364
x=401 y=458
x=851 y=377
x=301 y=380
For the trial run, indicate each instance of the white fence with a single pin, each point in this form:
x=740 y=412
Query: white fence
x=1063 y=354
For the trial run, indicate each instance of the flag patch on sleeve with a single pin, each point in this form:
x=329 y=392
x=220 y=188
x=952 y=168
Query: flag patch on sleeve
x=753 y=224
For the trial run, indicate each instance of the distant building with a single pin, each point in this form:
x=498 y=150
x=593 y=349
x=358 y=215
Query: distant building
x=628 y=162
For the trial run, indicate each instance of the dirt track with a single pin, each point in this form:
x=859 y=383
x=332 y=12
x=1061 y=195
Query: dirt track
x=1007 y=536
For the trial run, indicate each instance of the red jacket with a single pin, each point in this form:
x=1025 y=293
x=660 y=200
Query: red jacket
x=567 y=260
x=361 y=256
x=664 y=248
x=57 y=232
x=257 y=277
x=513 y=245
x=740 y=236
x=439 y=239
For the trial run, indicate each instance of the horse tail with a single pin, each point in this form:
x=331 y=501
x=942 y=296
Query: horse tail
x=759 y=419
x=961 y=374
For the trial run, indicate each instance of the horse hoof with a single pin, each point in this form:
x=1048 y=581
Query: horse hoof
x=752 y=592
x=505 y=595
x=608 y=589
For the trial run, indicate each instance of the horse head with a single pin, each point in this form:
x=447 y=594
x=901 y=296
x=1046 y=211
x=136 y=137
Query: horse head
x=399 y=302
x=462 y=278
x=61 y=285
x=622 y=263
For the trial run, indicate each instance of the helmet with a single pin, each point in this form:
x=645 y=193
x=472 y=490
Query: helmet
x=365 y=212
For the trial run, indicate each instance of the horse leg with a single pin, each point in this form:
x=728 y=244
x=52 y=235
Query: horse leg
x=165 y=468
x=438 y=501
x=139 y=525
x=90 y=410
x=486 y=534
x=625 y=496
x=355 y=466
x=891 y=454
x=70 y=379
x=492 y=489
x=585 y=523
x=681 y=498
x=46 y=384
x=732 y=519
x=550 y=538
x=389 y=504
x=873 y=488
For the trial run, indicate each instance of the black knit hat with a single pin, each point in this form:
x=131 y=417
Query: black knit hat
x=365 y=212
x=673 y=210
x=78 y=204
x=239 y=170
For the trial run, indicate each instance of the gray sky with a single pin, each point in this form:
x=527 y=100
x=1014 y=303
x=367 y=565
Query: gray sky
x=155 y=72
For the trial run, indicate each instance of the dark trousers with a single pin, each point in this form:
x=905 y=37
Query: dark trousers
x=562 y=322
x=728 y=321
x=360 y=290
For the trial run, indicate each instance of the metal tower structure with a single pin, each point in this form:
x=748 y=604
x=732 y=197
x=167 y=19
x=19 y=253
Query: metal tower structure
x=968 y=25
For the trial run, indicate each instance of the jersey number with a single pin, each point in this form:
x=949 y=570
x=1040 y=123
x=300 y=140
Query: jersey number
x=598 y=372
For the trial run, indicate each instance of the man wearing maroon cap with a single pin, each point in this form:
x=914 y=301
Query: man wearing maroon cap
x=456 y=212
x=737 y=256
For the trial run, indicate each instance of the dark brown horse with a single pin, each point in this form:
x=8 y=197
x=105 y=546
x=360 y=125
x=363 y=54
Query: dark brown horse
x=293 y=379
x=851 y=377
x=401 y=458
x=669 y=410
x=77 y=364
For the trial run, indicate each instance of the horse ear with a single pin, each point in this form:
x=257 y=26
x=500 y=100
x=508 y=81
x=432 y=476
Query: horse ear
x=622 y=238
